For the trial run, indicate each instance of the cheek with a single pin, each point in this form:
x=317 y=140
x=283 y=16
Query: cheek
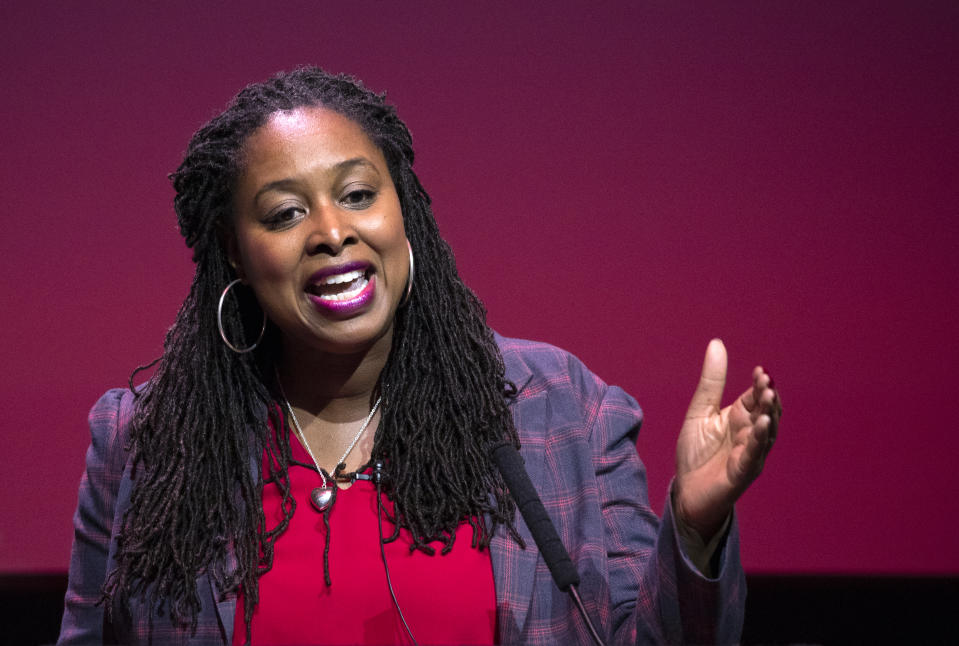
x=392 y=224
x=391 y=232
x=394 y=236
x=268 y=260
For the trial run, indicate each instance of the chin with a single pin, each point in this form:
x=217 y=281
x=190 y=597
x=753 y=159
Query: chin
x=359 y=340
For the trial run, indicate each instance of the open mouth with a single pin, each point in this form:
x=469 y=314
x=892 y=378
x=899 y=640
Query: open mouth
x=340 y=287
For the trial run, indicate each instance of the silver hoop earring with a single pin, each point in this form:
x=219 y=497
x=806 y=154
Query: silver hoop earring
x=409 y=282
x=219 y=323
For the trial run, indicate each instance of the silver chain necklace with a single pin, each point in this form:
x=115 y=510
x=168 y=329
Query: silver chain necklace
x=322 y=496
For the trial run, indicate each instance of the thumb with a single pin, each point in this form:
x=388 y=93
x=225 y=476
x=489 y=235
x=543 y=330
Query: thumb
x=709 y=391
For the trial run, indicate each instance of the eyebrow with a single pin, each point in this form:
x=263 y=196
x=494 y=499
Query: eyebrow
x=338 y=167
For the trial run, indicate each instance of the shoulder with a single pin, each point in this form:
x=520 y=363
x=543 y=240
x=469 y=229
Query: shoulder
x=547 y=376
x=109 y=421
x=537 y=365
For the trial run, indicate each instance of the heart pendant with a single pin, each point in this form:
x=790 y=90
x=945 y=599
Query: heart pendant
x=321 y=498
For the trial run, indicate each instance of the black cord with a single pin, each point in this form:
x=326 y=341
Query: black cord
x=582 y=611
x=378 y=479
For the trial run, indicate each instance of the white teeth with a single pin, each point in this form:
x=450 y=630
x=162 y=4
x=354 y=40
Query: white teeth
x=344 y=296
x=336 y=279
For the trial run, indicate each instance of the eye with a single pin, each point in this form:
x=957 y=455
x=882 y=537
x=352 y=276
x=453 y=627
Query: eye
x=359 y=198
x=284 y=217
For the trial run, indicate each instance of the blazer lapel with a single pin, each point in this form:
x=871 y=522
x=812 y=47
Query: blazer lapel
x=514 y=568
x=225 y=604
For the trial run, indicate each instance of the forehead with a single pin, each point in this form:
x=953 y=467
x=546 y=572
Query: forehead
x=307 y=137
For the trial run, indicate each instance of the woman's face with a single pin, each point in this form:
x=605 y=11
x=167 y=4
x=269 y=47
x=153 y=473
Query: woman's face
x=318 y=232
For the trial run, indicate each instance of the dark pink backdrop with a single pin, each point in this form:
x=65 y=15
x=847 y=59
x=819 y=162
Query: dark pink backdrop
x=625 y=180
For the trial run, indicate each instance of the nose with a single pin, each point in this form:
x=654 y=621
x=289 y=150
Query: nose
x=331 y=229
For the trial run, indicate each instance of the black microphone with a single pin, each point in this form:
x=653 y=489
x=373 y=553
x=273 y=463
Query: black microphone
x=511 y=466
x=379 y=476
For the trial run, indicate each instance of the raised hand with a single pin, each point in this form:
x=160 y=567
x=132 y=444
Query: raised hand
x=721 y=451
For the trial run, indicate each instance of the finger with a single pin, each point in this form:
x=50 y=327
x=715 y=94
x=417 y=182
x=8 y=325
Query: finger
x=778 y=400
x=771 y=405
x=761 y=381
x=712 y=380
x=767 y=401
x=772 y=412
x=756 y=447
x=768 y=409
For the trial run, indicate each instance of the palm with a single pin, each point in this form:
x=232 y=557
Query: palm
x=721 y=451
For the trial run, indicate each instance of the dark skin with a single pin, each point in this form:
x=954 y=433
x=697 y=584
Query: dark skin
x=720 y=452
x=315 y=195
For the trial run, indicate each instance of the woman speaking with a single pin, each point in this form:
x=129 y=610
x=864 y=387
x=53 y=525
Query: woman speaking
x=311 y=462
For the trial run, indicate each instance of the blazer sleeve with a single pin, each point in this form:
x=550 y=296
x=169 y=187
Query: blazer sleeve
x=656 y=595
x=83 y=614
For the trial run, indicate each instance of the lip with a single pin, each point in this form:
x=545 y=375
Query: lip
x=343 y=308
x=339 y=269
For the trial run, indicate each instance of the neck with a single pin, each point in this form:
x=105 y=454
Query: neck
x=332 y=387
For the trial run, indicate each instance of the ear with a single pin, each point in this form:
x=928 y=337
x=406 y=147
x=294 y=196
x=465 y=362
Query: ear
x=227 y=237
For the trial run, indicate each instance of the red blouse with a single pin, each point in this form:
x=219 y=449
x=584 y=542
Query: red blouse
x=447 y=599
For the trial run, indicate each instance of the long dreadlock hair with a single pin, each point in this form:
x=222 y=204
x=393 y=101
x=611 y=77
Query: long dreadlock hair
x=201 y=426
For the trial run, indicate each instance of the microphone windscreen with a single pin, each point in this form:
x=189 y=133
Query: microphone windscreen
x=510 y=465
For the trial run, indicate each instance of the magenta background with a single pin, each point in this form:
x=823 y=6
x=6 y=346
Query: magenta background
x=624 y=180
